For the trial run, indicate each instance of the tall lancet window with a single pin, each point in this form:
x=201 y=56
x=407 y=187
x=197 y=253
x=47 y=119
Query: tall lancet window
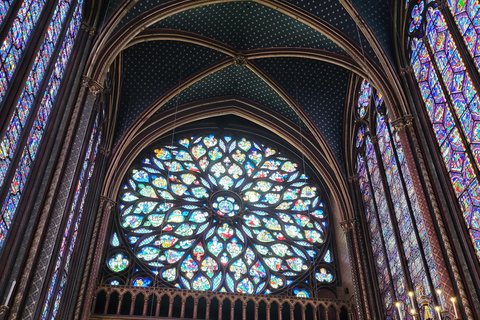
x=400 y=245
x=221 y=212
x=29 y=114
x=446 y=81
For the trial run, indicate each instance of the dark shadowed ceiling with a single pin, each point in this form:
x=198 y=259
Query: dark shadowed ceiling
x=150 y=69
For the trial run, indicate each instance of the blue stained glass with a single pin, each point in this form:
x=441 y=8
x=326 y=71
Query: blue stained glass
x=467 y=15
x=34 y=80
x=401 y=209
x=448 y=136
x=16 y=40
x=33 y=141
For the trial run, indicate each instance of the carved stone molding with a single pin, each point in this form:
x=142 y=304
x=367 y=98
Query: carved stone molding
x=88 y=29
x=374 y=139
x=108 y=201
x=240 y=60
x=401 y=123
x=407 y=70
x=94 y=88
x=353 y=178
x=442 y=4
x=347 y=225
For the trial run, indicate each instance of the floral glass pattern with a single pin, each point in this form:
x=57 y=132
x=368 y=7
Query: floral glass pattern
x=223 y=213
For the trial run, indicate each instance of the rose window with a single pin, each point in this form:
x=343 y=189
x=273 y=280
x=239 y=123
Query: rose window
x=222 y=213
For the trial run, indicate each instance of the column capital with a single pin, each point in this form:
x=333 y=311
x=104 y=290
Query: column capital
x=88 y=29
x=104 y=151
x=401 y=123
x=353 y=178
x=374 y=139
x=94 y=88
x=106 y=200
x=347 y=225
x=407 y=70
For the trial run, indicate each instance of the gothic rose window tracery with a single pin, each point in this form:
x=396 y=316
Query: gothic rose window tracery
x=222 y=213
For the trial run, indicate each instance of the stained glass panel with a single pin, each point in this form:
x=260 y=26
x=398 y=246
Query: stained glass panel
x=460 y=170
x=467 y=15
x=213 y=209
x=30 y=151
x=385 y=223
x=383 y=277
x=9 y=142
x=458 y=83
x=16 y=40
x=4 y=6
x=401 y=209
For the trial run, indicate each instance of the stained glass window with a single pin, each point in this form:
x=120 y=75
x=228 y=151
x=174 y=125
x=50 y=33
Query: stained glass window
x=451 y=100
x=467 y=15
x=16 y=40
x=34 y=80
x=222 y=213
x=4 y=6
x=29 y=152
x=397 y=189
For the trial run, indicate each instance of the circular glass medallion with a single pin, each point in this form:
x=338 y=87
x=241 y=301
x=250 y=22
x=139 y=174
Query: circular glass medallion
x=226 y=204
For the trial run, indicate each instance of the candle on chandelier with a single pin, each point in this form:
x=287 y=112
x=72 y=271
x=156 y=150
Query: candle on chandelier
x=442 y=303
x=398 y=305
x=410 y=294
x=438 y=311
x=454 y=307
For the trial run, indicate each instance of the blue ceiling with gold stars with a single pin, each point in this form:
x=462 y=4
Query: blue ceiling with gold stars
x=150 y=69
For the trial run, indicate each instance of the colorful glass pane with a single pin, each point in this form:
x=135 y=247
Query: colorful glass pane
x=462 y=176
x=364 y=98
x=16 y=125
x=199 y=245
x=467 y=15
x=16 y=40
x=401 y=208
x=458 y=83
x=33 y=141
x=4 y=6
x=384 y=281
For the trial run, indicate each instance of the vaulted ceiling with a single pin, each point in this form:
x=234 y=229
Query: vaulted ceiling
x=286 y=56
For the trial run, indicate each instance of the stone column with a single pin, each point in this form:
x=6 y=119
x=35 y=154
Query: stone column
x=348 y=227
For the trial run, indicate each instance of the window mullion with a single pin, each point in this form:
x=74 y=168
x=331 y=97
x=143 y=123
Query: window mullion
x=379 y=223
x=393 y=219
x=373 y=271
x=449 y=103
